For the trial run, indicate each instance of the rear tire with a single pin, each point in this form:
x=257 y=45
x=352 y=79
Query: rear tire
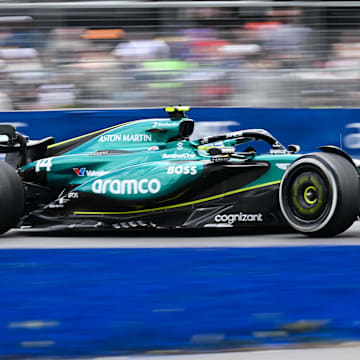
x=319 y=194
x=11 y=197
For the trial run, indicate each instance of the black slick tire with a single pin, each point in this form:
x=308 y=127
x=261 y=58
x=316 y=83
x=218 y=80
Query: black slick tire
x=11 y=197
x=319 y=194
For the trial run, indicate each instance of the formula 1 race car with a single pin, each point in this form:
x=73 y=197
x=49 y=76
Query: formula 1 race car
x=148 y=174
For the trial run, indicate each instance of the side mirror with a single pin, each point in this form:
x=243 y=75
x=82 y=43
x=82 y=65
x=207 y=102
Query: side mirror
x=294 y=148
x=4 y=139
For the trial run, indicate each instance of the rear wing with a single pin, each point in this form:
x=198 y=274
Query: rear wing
x=19 y=149
x=8 y=130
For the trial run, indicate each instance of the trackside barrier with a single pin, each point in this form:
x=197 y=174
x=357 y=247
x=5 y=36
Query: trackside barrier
x=102 y=302
x=308 y=127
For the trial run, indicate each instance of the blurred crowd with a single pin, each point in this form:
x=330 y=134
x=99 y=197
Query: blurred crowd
x=275 y=61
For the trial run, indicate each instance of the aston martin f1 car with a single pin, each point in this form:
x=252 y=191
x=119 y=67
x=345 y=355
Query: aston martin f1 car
x=149 y=174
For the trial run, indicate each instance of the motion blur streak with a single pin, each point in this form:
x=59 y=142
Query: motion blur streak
x=119 y=54
x=117 y=301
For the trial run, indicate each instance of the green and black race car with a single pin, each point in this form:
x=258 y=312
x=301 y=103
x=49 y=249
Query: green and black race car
x=149 y=174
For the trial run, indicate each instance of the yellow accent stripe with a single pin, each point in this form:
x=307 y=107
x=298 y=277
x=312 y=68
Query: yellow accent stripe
x=82 y=136
x=177 y=205
x=177 y=108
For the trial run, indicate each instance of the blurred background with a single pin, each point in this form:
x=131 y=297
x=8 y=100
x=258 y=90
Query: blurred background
x=135 y=295
x=132 y=54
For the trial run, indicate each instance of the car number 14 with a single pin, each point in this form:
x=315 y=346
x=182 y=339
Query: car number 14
x=45 y=163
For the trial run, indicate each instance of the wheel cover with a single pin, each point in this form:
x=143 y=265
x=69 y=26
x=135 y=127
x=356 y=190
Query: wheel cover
x=308 y=195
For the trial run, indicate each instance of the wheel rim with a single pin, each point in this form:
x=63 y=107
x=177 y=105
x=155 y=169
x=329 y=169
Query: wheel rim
x=308 y=195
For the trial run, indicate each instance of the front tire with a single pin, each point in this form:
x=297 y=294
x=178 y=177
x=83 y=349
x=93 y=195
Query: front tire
x=11 y=197
x=319 y=194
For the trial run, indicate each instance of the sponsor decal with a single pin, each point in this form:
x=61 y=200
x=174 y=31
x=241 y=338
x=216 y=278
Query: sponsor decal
x=58 y=204
x=180 y=169
x=128 y=187
x=73 y=195
x=178 y=156
x=153 y=148
x=168 y=124
x=91 y=173
x=241 y=217
x=234 y=134
x=277 y=151
x=222 y=158
x=79 y=172
x=44 y=163
x=125 y=138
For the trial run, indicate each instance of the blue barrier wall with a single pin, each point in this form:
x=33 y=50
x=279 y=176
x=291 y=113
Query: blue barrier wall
x=307 y=127
x=116 y=301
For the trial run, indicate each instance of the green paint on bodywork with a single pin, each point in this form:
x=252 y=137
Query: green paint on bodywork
x=134 y=136
x=145 y=181
x=178 y=205
x=143 y=160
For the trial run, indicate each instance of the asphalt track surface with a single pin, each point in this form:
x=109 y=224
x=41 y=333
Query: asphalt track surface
x=30 y=239
x=331 y=353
